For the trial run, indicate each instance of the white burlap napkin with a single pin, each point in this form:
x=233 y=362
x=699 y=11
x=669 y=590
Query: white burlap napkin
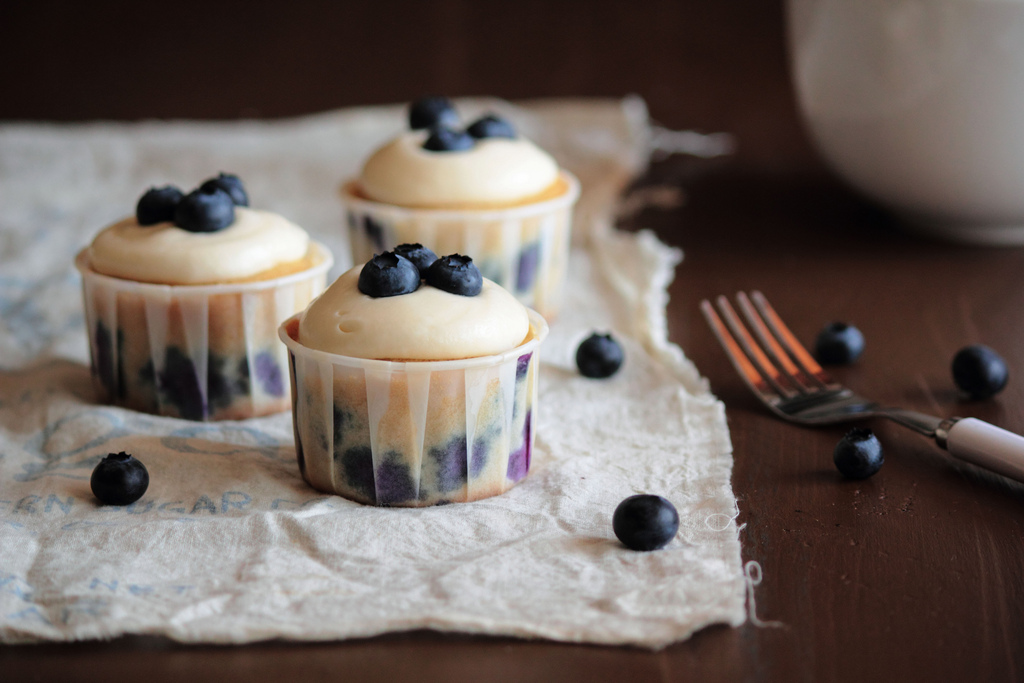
x=229 y=544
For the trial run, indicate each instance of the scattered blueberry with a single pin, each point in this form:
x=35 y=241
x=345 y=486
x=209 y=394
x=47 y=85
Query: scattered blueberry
x=858 y=455
x=158 y=205
x=491 y=126
x=444 y=139
x=231 y=184
x=119 y=479
x=420 y=256
x=456 y=274
x=979 y=371
x=388 y=274
x=645 y=522
x=428 y=112
x=838 y=344
x=205 y=211
x=599 y=356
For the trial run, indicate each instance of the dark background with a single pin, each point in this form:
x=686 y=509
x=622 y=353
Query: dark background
x=914 y=574
x=707 y=65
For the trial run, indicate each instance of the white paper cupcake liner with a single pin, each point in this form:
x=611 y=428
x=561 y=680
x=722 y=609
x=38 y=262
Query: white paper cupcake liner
x=414 y=433
x=200 y=352
x=525 y=249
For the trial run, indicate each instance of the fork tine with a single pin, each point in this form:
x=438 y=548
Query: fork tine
x=742 y=338
x=790 y=343
x=800 y=379
x=750 y=374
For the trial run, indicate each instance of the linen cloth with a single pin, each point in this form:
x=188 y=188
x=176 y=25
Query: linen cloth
x=229 y=544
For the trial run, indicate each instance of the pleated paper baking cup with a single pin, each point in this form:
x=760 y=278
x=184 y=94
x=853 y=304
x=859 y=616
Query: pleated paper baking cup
x=200 y=352
x=525 y=249
x=414 y=433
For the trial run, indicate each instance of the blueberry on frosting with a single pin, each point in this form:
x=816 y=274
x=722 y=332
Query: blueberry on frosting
x=388 y=274
x=158 y=205
x=428 y=112
x=420 y=256
x=231 y=184
x=206 y=210
x=455 y=274
x=491 y=126
x=444 y=139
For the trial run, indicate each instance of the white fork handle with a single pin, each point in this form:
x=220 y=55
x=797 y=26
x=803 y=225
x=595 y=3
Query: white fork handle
x=988 y=446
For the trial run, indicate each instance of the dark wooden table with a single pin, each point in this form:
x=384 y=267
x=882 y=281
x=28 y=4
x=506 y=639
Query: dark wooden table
x=914 y=574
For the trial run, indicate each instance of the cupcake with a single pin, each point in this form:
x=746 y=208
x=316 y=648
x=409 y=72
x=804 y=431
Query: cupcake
x=183 y=300
x=414 y=382
x=485 y=191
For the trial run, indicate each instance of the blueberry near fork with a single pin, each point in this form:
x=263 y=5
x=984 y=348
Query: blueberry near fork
x=979 y=371
x=838 y=344
x=858 y=455
x=789 y=382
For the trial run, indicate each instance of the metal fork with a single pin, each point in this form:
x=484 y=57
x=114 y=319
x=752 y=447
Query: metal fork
x=787 y=379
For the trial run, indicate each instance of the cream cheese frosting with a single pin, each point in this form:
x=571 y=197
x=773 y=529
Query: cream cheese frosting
x=494 y=171
x=428 y=324
x=256 y=242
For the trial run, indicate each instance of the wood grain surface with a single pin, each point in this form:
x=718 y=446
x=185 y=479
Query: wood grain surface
x=914 y=574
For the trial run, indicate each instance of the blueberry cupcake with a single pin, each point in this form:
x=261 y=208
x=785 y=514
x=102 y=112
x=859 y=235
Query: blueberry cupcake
x=183 y=301
x=484 y=191
x=414 y=382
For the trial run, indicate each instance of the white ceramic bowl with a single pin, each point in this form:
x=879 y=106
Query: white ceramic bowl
x=920 y=105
